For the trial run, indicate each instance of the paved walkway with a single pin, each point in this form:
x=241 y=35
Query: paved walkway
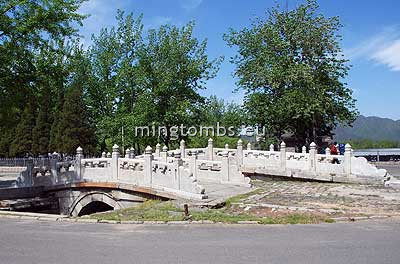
x=367 y=242
x=392 y=168
x=334 y=199
x=218 y=193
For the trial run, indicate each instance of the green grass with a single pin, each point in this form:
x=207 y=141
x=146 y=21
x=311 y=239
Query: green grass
x=167 y=211
x=240 y=197
x=152 y=210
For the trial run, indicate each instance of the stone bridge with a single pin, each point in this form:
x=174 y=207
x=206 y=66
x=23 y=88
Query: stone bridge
x=115 y=181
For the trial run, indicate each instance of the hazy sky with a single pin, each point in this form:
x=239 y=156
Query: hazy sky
x=371 y=39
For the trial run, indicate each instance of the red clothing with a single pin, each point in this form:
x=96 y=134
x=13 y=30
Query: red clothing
x=333 y=150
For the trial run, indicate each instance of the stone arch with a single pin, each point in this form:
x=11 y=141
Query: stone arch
x=91 y=197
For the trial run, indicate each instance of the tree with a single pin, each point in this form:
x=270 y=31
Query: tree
x=41 y=131
x=114 y=85
x=174 y=67
x=22 y=143
x=226 y=114
x=75 y=128
x=25 y=28
x=291 y=68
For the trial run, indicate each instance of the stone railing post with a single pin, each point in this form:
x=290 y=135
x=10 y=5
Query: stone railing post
x=109 y=155
x=304 y=150
x=53 y=167
x=78 y=163
x=114 y=161
x=158 y=150
x=127 y=153
x=283 y=155
x=104 y=155
x=327 y=151
x=210 y=149
x=225 y=167
x=28 y=176
x=148 y=169
x=347 y=159
x=313 y=157
x=193 y=164
x=177 y=163
x=226 y=146
x=164 y=153
x=178 y=158
x=249 y=146
x=239 y=152
x=131 y=153
x=271 y=148
x=183 y=148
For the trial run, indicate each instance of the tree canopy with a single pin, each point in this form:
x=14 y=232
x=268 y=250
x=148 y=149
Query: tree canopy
x=291 y=67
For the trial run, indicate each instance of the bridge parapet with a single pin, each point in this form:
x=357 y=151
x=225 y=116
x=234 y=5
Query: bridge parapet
x=174 y=172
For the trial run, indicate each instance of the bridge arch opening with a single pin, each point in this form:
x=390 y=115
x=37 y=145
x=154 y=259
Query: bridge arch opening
x=95 y=207
x=93 y=202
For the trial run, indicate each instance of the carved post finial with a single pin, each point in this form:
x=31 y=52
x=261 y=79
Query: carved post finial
x=313 y=157
x=158 y=150
x=79 y=151
x=304 y=149
x=148 y=150
x=249 y=146
x=114 y=162
x=131 y=153
x=115 y=148
x=271 y=147
x=210 y=149
x=183 y=148
x=239 y=152
x=347 y=159
x=283 y=155
x=164 y=153
x=327 y=151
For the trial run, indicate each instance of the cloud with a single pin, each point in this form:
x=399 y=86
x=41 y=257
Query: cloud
x=102 y=14
x=189 y=5
x=158 y=21
x=389 y=56
x=382 y=48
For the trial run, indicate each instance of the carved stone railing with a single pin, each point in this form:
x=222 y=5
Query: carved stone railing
x=181 y=170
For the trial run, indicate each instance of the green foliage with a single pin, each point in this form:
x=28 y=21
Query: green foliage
x=146 y=80
x=368 y=143
x=25 y=30
x=41 y=131
x=227 y=114
x=174 y=66
x=74 y=126
x=291 y=67
x=22 y=143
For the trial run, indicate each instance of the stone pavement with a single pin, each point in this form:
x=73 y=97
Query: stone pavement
x=218 y=193
x=334 y=199
x=24 y=241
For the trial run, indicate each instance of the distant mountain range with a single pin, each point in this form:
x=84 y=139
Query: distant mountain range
x=371 y=127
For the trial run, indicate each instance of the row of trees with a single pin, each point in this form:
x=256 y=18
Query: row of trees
x=55 y=95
